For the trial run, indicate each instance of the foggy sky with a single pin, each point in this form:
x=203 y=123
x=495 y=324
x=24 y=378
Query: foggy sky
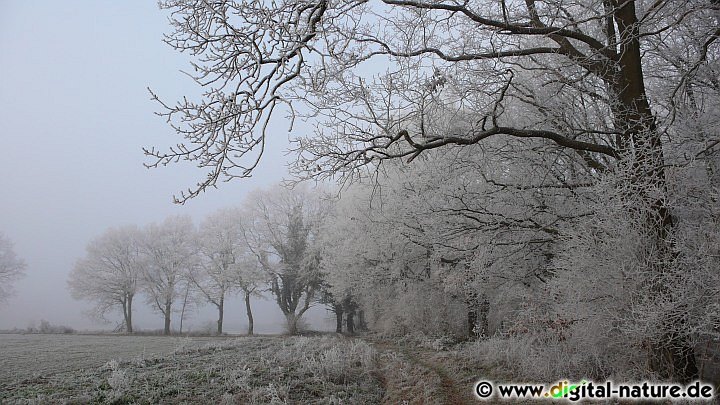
x=74 y=114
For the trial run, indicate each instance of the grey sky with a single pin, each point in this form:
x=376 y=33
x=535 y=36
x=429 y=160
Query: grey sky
x=74 y=114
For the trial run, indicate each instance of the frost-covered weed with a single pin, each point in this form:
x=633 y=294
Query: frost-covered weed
x=272 y=393
x=238 y=378
x=118 y=380
x=227 y=399
x=111 y=365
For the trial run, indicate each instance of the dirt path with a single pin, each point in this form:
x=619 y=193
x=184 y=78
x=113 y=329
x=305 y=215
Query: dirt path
x=416 y=376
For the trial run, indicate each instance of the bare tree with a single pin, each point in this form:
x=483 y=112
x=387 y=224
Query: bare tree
x=109 y=273
x=221 y=244
x=249 y=278
x=169 y=248
x=11 y=267
x=281 y=227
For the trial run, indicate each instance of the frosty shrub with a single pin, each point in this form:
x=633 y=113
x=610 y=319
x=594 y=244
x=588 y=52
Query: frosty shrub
x=616 y=294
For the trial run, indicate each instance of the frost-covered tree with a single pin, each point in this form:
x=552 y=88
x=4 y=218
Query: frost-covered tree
x=281 y=227
x=11 y=267
x=225 y=263
x=612 y=85
x=170 y=251
x=220 y=244
x=110 y=272
x=249 y=278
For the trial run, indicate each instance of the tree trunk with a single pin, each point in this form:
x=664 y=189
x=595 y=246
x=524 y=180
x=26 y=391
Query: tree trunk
x=249 y=313
x=168 y=307
x=124 y=311
x=184 y=306
x=482 y=326
x=472 y=302
x=292 y=326
x=128 y=314
x=472 y=317
x=673 y=356
x=361 y=323
x=350 y=322
x=338 y=318
x=221 y=310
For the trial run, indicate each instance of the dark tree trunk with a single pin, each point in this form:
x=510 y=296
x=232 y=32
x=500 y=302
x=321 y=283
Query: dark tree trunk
x=124 y=311
x=472 y=317
x=361 y=323
x=168 y=307
x=338 y=318
x=672 y=356
x=482 y=326
x=292 y=326
x=350 y=322
x=472 y=302
x=128 y=314
x=249 y=313
x=478 y=308
x=221 y=310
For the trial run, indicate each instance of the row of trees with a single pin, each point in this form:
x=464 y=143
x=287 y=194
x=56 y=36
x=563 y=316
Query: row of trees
x=585 y=162
x=268 y=243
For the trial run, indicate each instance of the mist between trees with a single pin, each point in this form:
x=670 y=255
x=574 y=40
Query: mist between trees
x=542 y=172
x=265 y=245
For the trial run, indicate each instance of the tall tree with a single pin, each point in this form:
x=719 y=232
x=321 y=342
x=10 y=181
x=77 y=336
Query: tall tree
x=226 y=264
x=281 y=229
x=169 y=248
x=220 y=245
x=11 y=267
x=249 y=278
x=109 y=273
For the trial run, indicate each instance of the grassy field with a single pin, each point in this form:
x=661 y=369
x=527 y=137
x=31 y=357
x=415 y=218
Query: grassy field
x=23 y=356
x=137 y=369
x=325 y=369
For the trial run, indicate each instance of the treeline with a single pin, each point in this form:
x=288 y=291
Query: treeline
x=267 y=244
x=538 y=259
x=45 y=327
x=529 y=257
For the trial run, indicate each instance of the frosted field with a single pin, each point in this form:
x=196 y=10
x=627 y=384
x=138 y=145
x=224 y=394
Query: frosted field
x=39 y=369
x=324 y=369
x=23 y=356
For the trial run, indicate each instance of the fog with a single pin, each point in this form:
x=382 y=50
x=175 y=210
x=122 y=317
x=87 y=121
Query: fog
x=75 y=113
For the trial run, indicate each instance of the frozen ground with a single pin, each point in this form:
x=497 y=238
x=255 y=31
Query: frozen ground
x=261 y=370
x=22 y=356
x=324 y=369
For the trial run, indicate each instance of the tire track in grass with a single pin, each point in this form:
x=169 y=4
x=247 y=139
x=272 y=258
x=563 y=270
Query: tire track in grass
x=448 y=386
x=419 y=380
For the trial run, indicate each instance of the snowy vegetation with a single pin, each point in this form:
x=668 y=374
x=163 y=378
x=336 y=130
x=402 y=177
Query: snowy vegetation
x=544 y=173
x=529 y=186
